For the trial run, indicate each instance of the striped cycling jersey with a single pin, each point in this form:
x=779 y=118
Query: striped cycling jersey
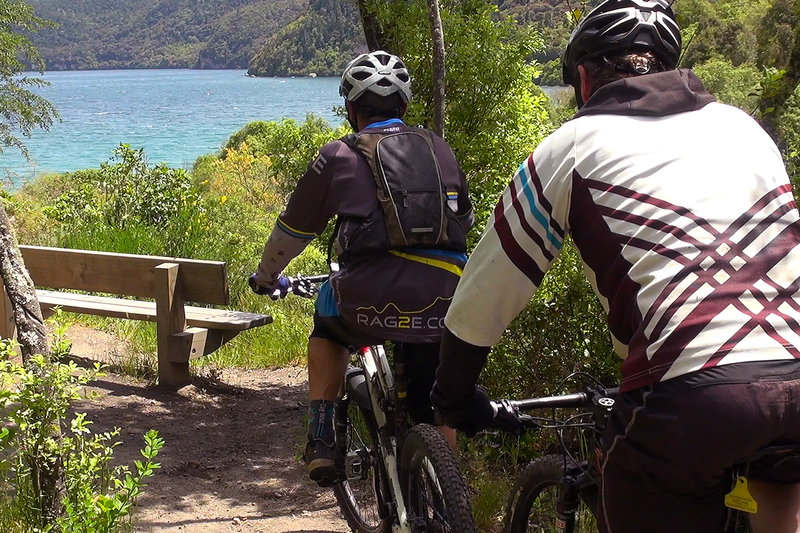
x=683 y=215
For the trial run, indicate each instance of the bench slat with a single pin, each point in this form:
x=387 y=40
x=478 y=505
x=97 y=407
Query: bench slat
x=203 y=317
x=201 y=281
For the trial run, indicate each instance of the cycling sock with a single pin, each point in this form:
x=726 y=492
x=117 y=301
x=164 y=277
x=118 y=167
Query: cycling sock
x=320 y=423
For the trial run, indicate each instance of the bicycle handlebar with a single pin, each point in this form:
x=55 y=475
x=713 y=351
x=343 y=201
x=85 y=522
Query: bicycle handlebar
x=602 y=398
x=306 y=286
x=317 y=278
x=575 y=400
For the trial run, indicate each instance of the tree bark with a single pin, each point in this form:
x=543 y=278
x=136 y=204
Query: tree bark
x=47 y=474
x=439 y=100
x=376 y=40
x=21 y=292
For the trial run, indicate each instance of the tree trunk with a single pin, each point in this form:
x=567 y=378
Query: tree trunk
x=437 y=33
x=47 y=474
x=21 y=293
x=376 y=40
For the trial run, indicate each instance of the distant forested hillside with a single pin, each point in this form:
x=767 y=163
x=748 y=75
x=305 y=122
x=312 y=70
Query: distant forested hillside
x=321 y=41
x=102 y=34
x=329 y=33
x=268 y=37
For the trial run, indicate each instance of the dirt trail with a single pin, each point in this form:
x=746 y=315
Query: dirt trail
x=231 y=462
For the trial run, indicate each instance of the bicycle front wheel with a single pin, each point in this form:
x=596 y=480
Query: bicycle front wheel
x=360 y=496
x=436 y=494
x=533 y=503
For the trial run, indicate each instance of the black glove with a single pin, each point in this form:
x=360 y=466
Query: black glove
x=508 y=419
x=469 y=415
x=278 y=289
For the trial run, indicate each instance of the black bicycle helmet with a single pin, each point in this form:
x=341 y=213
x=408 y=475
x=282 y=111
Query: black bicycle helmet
x=618 y=25
x=380 y=73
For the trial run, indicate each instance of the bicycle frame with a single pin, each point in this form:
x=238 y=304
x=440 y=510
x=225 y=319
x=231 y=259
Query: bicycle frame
x=579 y=479
x=381 y=387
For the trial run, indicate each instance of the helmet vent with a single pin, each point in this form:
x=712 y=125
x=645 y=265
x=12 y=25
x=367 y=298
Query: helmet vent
x=380 y=73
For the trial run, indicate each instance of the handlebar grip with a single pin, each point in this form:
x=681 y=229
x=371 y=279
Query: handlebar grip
x=508 y=418
x=306 y=286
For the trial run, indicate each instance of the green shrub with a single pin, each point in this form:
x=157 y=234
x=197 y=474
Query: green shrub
x=735 y=85
x=551 y=73
x=55 y=474
x=789 y=132
x=290 y=146
x=128 y=206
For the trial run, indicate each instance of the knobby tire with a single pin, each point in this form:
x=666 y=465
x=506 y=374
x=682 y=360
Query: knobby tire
x=436 y=494
x=532 y=504
x=360 y=500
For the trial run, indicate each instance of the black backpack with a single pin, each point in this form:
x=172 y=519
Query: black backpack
x=411 y=194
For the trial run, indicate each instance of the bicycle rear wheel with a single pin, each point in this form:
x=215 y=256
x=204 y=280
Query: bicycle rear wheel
x=532 y=506
x=436 y=494
x=360 y=496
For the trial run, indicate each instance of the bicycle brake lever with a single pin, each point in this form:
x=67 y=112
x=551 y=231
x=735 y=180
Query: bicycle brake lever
x=508 y=418
x=528 y=421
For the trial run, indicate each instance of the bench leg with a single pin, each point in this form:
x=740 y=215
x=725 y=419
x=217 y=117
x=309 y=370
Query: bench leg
x=173 y=372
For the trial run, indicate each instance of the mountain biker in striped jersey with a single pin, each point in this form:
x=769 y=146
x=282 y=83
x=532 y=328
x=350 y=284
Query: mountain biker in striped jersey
x=382 y=291
x=683 y=214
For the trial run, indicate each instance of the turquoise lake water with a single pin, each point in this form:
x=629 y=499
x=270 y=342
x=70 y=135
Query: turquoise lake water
x=175 y=115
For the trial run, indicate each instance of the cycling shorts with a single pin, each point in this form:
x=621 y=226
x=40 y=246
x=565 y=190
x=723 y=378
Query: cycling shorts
x=421 y=361
x=669 y=447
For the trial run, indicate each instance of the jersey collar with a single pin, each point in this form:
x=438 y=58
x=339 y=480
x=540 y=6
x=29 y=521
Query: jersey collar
x=384 y=123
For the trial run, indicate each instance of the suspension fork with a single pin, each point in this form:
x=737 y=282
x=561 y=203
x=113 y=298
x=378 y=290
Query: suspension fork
x=576 y=485
x=567 y=503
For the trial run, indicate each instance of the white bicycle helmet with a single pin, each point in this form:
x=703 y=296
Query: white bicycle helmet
x=380 y=73
x=618 y=25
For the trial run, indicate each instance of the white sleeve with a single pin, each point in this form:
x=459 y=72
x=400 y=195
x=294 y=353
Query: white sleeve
x=521 y=240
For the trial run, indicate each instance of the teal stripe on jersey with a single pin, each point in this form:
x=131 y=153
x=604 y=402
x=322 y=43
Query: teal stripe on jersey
x=541 y=218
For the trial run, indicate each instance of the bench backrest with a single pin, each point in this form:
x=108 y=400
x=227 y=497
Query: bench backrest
x=124 y=274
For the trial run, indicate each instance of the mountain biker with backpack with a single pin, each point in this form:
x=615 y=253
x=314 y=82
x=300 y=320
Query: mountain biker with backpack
x=685 y=221
x=403 y=212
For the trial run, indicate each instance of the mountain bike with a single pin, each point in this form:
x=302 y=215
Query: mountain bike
x=560 y=493
x=395 y=477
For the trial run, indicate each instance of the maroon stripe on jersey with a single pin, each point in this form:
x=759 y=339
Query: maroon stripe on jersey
x=656 y=224
x=545 y=203
x=525 y=225
x=744 y=331
x=735 y=249
x=659 y=249
x=745 y=279
x=645 y=199
x=722 y=263
x=601 y=250
x=521 y=259
x=637 y=367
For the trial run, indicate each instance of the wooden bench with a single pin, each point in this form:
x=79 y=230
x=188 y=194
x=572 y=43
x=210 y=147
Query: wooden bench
x=184 y=332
